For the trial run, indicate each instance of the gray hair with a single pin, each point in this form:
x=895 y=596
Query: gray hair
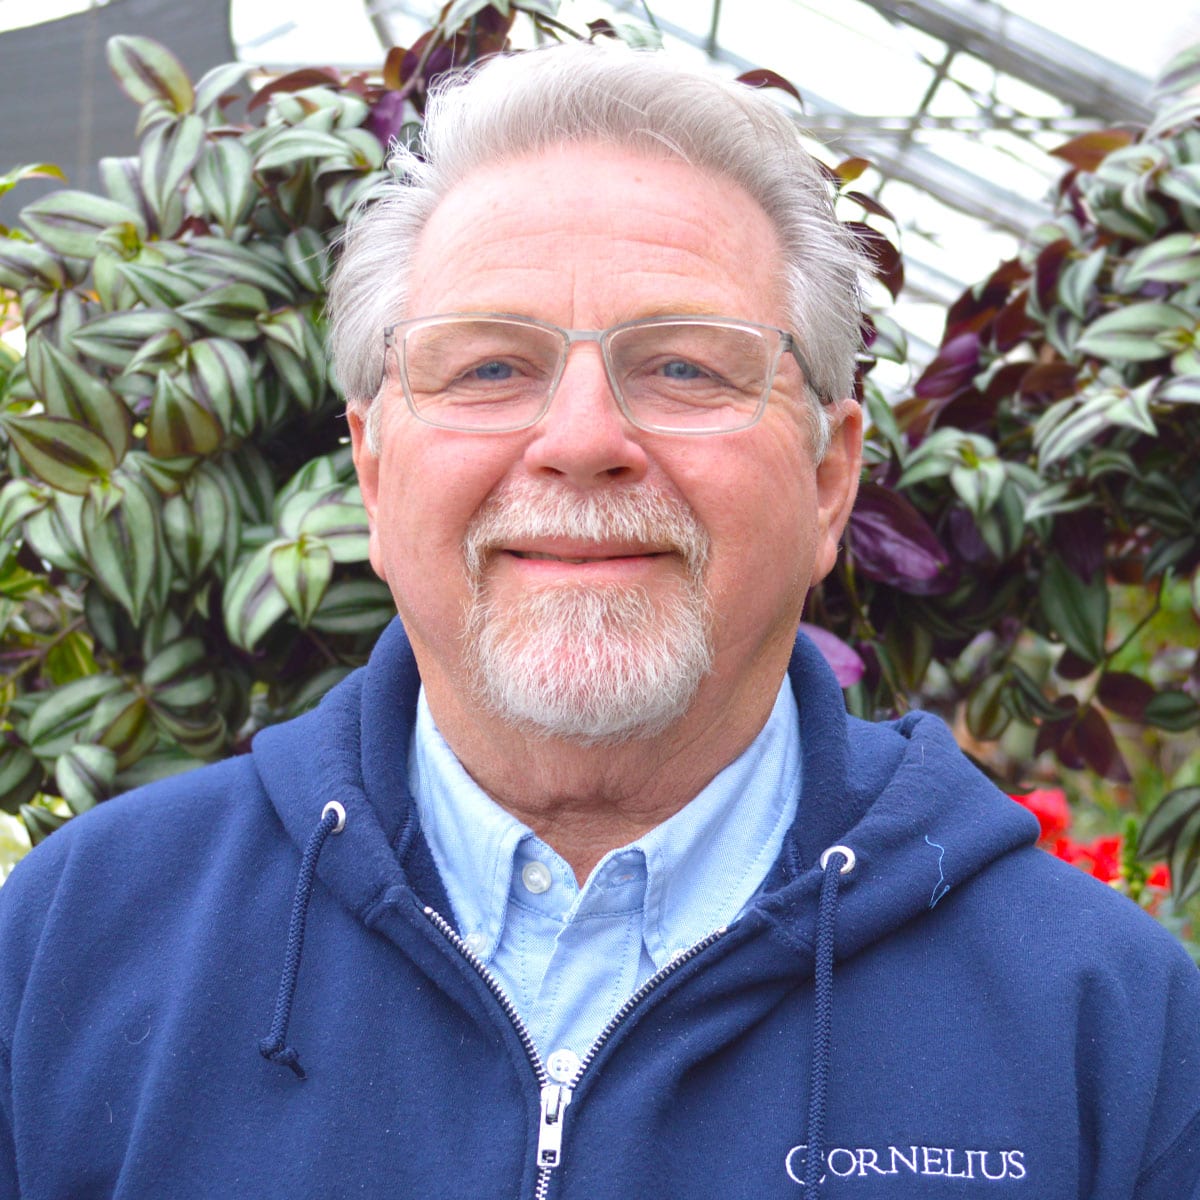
x=516 y=105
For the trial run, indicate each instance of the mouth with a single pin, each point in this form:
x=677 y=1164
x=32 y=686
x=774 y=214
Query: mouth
x=579 y=560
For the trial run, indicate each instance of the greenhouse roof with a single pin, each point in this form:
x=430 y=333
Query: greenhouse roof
x=956 y=103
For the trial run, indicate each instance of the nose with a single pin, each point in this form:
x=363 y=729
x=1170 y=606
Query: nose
x=584 y=438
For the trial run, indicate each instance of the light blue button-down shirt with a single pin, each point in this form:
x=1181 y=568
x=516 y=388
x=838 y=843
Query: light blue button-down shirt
x=568 y=957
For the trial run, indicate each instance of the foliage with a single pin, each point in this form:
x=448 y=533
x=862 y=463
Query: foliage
x=182 y=544
x=1042 y=483
x=182 y=552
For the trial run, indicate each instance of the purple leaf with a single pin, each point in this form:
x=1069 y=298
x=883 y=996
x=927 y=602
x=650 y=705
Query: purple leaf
x=891 y=543
x=845 y=663
x=953 y=369
x=387 y=117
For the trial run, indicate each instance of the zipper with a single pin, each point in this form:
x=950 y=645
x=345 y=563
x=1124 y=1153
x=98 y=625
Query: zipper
x=556 y=1096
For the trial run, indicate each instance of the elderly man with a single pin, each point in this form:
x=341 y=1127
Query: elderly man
x=586 y=886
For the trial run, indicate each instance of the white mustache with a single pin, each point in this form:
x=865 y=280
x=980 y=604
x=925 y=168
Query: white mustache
x=523 y=510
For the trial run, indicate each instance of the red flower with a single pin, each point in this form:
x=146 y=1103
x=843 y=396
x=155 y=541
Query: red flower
x=1049 y=805
x=1101 y=858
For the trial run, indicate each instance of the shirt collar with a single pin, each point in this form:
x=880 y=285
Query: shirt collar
x=703 y=865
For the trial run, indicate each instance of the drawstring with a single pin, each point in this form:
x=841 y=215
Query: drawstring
x=274 y=1046
x=835 y=862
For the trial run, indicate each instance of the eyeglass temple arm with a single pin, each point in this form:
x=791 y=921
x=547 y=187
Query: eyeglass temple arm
x=789 y=342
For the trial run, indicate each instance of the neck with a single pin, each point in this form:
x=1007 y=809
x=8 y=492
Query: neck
x=585 y=800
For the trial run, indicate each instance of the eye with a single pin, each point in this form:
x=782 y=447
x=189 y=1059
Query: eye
x=492 y=372
x=682 y=370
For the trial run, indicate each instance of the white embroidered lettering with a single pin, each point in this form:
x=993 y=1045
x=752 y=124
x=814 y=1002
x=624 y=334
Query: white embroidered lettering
x=869 y=1160
x=983 y=1166
x=950 y=1162
x=832 y=1160
x=951 y=1173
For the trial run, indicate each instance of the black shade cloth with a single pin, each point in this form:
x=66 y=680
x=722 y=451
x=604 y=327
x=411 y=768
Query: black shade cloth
x=60 y=101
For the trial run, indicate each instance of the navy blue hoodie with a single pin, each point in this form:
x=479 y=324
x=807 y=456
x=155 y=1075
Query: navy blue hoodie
x=987 y=1021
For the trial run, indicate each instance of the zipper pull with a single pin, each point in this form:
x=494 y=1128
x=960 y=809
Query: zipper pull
x=555 y=1098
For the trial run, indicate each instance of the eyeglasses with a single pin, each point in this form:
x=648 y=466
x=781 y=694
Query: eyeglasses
x=496 y=373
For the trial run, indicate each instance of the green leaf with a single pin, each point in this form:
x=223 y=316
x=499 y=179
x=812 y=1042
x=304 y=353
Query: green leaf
x=1185 y=860
x=228 y=262
x=221 y=377
x=40 y=822
x=85 y=775
x=219 y=82
x=121 y=721
x=253 y=601
x=302 y=570
x=355 y=606
x=1183 y=389
x=20 y=777
x=69 y=221
x=306 y=255
x=198 y=522
x=179 y=676
x=169 y=151
x=225 y=180
x=61 y=452
x=27 y=264
x=58 y=719
x=1173 y=258
x=230 y=311
x=337 y=518
x=1182 y=183
x=1077 y=283
x=122 y=544
x=1181 y=74
x=147 y=71
x=987 y=717
x=1079 y=421
x=291 y=146
x=19 y=499
x=1075 y=610
x=1130 y=333
x=53 y=533
x=978 y=484
x=1175 y=711
x=178 y=425
x=113 y=339
x=161 y=287
x=70 y=391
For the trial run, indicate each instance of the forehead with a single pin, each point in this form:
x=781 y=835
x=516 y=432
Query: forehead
x=589 y=235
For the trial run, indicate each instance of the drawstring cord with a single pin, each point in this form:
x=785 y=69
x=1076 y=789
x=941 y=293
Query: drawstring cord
x=274 y=1046
x=835 y=862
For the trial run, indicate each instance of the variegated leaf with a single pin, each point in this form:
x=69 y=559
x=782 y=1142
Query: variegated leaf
x=61 y=452
x=253 y=601
x=147 y=71
x=70 y=221
x=302 y=570
x=178 y=424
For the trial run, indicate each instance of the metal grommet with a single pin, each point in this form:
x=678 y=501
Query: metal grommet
x=334 y=806
x=845 y=851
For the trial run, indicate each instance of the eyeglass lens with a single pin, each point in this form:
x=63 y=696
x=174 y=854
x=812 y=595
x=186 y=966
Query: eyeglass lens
x=496 y=374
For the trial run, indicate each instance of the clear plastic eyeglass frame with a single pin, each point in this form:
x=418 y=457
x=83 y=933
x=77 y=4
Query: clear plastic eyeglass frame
x=395 y=339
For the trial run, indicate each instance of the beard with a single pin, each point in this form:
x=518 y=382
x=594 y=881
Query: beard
x=590 y=664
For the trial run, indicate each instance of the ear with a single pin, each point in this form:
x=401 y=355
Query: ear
x=837 y=483
x=366 y=465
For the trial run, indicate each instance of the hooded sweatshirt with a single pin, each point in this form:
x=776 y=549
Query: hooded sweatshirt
x=206 y=991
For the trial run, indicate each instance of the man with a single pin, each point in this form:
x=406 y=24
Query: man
x=599 y=893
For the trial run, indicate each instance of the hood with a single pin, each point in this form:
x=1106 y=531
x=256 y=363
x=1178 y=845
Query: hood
x=920 y=818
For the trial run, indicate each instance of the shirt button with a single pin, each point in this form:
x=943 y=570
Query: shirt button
x=562 y=1065
x=475 y=942
x=536 y=877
